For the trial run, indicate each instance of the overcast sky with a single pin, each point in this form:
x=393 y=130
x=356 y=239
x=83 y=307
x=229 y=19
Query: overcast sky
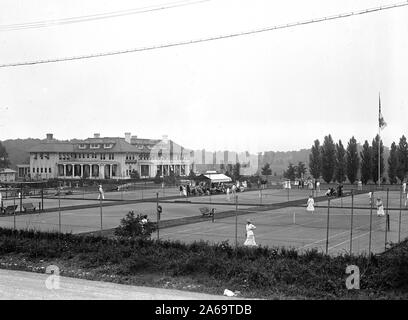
x=278 y=90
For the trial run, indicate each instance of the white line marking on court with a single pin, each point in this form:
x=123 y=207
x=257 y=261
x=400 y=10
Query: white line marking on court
x=339 y=244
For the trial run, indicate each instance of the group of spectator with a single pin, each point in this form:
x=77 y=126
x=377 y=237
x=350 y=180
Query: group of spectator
x=204 y=188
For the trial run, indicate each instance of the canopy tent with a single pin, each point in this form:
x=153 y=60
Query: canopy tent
x=214 y=177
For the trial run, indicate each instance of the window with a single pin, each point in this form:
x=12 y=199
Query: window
x=49 y=170
x=87 y=155
x=82 y=146
x=41 y=156
x=33 y=170
x=108 y=145
x=35 y=156
x=45 y=170
x=102 y=156
x=94 y=146
x=41 y=170
x=38 y=170
x=60 y=156
x=111 y=156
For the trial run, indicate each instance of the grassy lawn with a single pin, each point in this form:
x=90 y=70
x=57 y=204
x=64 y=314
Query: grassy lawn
x=271 y=273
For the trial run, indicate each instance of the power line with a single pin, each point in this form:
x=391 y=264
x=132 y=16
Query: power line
x=225 y=36
x=100 y=16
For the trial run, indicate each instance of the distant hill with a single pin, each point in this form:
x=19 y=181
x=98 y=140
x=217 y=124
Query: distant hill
x=17 y=150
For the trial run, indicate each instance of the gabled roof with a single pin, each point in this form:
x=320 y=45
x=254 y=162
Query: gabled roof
x=53 y=147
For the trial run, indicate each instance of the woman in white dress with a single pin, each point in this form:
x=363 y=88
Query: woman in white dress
x=310 y=204
x=380 y=208
x=250 y=236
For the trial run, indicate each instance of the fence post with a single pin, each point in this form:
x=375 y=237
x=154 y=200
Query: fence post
x=387 y=219
x=351 y=221
x=14 y=212
x=158 y=215
x=236 y=220
x=399 y=219
x=100 y=206
x=42 y=198
x=327 y=228
x=59 y=211
x=371 y=224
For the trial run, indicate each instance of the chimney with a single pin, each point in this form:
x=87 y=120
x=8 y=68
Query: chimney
x=133 y=139
x=127 y=137
x=49 y=136
x=165 y=138
x=97 y=135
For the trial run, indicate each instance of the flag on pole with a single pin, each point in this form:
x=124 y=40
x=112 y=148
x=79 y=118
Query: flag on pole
x=381 y=123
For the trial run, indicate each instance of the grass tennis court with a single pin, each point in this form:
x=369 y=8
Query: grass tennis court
x=278 y=222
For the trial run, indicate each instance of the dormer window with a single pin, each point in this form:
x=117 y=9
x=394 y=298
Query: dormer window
x=94 y=146
x=82 y=146
x=108 y=145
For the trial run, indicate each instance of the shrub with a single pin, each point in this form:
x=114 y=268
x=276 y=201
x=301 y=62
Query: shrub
x=132 y=226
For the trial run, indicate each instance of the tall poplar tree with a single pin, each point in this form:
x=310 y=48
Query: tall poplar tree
x=366 y=163
x=315 y=160
x=328 y=151
x=393 y=164
x=374 y=169
x=402 y=151
x=340 y=171
x=352 y=160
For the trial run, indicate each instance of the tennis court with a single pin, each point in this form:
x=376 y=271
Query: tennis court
x=294 y=227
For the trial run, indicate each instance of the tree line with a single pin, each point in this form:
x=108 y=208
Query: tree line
x=334 y=163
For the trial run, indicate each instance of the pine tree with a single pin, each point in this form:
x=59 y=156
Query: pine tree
x=374 y=169
x=315 y=160
x=328 y=151
x=366 y=162
x=340 y=172
x=393 y=164
x=402 y=151
x=352 y=160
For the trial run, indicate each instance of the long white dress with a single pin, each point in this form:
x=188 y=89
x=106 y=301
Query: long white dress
x=380 y=209
x=250 y=237
x=310 y=204
x=101 y=194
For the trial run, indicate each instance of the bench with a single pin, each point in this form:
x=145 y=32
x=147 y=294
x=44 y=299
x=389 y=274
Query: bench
x=28 y=207
x=205 y=211
x=10 y=209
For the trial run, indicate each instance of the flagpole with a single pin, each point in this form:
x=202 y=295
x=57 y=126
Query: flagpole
x=379 y=156
x=379 y=139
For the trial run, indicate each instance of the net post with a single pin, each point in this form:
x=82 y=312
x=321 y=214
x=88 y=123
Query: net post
x=371 y=225
x=387 y=219
x=236 y=221
x=351 y=222
x=327 y=228
x=158 y=216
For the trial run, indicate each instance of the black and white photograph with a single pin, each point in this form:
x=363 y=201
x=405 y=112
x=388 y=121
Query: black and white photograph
x=203 y=156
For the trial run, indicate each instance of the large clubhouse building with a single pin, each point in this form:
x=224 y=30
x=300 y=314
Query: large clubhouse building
x=108 y=158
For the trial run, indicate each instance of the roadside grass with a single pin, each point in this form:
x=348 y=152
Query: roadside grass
x=271 y=273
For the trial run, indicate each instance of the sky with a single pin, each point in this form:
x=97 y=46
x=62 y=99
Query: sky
x=271 y=91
